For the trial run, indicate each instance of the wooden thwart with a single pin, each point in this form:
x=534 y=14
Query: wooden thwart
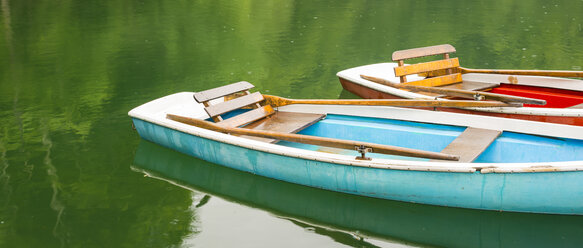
x=471 y=143
x=284 y=122
x=260 y=118
x=314 y=140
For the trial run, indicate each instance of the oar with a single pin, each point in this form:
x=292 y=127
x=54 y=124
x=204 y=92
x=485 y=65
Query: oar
x=526 y=72
x=277 y=101
x=477 y=95
x=314 y=140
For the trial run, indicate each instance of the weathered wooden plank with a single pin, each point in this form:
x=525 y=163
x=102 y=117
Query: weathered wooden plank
x=426 y=67
x=471 y=143
x=207 y=95
x=284 y=122
x=248 y=117
x=237 y=103
x=215 y=118
x=422 y=52
x=438 y=81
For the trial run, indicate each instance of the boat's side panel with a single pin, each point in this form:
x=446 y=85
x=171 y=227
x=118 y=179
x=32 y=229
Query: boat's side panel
x=527 y=192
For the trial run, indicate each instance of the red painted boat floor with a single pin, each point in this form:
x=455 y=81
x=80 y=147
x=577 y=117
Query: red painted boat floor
x=556 y=98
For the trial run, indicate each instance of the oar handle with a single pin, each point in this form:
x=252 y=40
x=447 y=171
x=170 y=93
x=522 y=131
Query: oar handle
x=314 y=140
x=547 y=73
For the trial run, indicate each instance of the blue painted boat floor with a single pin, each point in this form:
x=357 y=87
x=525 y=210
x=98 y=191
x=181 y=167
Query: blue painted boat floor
x=509 y=147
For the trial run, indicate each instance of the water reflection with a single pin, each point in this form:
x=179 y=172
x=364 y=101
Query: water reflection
x=345 y=215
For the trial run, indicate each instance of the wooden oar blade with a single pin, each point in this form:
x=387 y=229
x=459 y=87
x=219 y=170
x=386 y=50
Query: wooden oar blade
x=476 y=95
x=314 y=140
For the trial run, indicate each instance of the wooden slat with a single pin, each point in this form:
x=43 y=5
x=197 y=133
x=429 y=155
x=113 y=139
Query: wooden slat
x=248 y=117
x=233 y=104
x=215 y=118
x=471 y=143
x=284 y=122
x=438 y=81
x=422 y=52
x=207 y=95
x=426 y=67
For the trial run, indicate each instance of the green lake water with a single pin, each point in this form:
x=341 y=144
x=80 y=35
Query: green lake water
x=73 y=172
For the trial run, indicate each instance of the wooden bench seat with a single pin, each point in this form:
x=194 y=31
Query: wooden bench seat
x=443 y=72
x=471 y=143
x=259 y=118
x=284 y=122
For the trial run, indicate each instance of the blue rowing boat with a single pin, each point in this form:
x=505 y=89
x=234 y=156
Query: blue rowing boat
x=396 y=153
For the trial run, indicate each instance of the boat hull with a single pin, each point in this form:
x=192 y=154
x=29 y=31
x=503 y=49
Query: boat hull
x=370 y=93
x=555 y=113
x=535 y=192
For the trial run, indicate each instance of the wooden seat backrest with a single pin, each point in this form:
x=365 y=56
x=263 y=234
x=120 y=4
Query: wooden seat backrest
x=440 y=72
x=247 y=99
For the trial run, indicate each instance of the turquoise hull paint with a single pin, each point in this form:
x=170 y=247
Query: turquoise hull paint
x=549 y=192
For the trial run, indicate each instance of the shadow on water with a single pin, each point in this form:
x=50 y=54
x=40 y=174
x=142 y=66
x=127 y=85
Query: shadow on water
x=407 y=222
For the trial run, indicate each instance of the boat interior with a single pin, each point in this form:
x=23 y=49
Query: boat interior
x=238 y=108
x=446 y=73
